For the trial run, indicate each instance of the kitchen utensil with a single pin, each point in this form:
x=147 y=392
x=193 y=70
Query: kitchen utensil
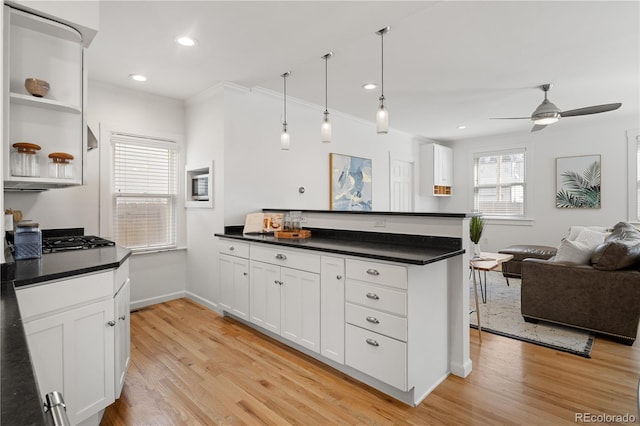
x=25 y=160
x=60 y=167
x=38 y=88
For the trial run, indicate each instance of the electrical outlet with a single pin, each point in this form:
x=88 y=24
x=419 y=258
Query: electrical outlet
x=380 y=223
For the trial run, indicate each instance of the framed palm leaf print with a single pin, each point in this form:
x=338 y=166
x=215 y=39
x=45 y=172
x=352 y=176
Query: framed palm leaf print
x=578 y=182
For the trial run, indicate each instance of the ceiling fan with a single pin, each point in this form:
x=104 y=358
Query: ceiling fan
x=548 y=113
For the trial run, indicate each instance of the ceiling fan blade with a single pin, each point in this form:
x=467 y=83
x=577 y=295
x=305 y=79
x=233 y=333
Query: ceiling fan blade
x=511 y=118
x=590 y=110
x=537 y=127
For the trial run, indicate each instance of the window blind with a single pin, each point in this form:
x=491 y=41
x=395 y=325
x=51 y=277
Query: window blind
x=499 y=183
x=144 y=192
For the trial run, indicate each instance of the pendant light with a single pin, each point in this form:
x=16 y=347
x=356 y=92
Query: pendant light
x=325 y=130
x=382 y=115
x=284 y=136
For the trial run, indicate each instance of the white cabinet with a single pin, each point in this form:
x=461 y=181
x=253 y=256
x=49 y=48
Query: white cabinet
x=284 y=300
x=332 y=308
x=78 y=335
x=122 y=338
x=234 y=278
x=36 y=47
x=436 y=169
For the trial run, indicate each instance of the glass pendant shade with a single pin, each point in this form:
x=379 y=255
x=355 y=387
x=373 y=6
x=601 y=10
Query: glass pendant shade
x=325 y=129
x=284 y=139
x=382 y=118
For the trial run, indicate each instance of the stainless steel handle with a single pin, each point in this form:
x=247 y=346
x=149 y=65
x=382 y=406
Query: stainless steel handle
x=373 y=272
x=231 y=248
x=123 y=317
x=338 y=277
x=245 y=273
x=111 y=323
x=280 y=256
x=54 y=403
x=278 y=282
x=373 y=296
x=373 y=320
x=373 y=342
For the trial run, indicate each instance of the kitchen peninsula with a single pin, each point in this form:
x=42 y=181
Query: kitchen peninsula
x=387 y=308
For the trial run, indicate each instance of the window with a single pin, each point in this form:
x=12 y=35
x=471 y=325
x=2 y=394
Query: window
x=145 y=186
x=499 y=183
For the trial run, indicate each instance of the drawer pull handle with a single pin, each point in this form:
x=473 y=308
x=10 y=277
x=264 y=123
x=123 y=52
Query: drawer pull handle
x=122 y=318
x=373 y=272
x=111 y=323
x=245 y=273
x=373 y=320
x=373 y=296
x=373 y=342
x=338 y=277
x=278 y=282
x=280 y=256
x=231 y=248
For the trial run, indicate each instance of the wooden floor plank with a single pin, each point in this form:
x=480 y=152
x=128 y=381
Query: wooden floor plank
x=191 y=366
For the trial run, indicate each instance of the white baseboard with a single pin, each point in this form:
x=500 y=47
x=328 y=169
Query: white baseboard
x=204 y=302
x=137 y=304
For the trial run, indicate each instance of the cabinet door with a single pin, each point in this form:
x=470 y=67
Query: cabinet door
x=240 y=306
x=73 y=353
x=225 y=268
x=300 y=310
x=332 y=308
x=264 y=295
x=122 y=303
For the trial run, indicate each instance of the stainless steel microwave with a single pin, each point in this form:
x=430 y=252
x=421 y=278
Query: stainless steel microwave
x=200 y=188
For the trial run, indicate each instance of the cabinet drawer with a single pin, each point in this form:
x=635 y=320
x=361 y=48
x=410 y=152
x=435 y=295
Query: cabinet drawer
x=233 y=248
x=376 y=297
x=380 y=322
x=52 y=297
x=377 y=355
x=291 y=259
x=378 y=273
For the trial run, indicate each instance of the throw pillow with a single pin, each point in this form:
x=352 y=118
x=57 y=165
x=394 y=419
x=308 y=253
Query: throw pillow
x=591 y=237
x=574 y=251
x=616 y=254
x=574 y=231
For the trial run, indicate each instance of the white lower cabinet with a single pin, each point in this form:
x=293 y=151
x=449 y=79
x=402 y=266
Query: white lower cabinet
x=286 y=301
x=332 y=308
x=234 y=285
x=78 y=342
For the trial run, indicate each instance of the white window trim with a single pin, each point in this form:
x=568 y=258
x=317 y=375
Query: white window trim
x=106 y=182
x=633 y=139
x=525 y=219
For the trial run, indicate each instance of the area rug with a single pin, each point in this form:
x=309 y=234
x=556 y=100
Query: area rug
x=501 y=315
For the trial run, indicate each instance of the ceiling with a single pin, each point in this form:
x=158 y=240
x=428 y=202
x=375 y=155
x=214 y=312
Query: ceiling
x=447 y=63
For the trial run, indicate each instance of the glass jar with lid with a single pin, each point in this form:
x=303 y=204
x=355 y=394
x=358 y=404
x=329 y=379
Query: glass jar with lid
x=27 y=241
x=60 y=166
x=25 y=159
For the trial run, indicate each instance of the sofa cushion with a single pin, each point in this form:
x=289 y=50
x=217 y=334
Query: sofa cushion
x=620 y=250
x=574 y=251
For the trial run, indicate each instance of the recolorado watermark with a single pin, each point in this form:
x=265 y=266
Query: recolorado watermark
x=604 y=418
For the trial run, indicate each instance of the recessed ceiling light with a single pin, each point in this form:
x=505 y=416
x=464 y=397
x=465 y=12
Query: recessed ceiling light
x=137 y=77
x=186 y=41
x=462 y=127
x=369 y=86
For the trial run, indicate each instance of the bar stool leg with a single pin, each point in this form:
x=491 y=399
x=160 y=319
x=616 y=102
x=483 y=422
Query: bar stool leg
x=475 y=294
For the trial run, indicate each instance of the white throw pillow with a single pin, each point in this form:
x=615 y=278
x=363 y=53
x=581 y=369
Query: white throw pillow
x=574 y=251
x=591 y=237
x=574 y=231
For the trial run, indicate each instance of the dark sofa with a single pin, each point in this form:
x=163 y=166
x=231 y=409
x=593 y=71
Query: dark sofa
x=603 y=297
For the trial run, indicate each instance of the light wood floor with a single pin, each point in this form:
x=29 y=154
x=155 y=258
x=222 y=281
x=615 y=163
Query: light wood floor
x=191 y=366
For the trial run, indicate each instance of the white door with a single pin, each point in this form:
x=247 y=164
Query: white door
x=300 y=309
x=264 y=295
x=401 y=186
x=332 y=308
x=122 y=303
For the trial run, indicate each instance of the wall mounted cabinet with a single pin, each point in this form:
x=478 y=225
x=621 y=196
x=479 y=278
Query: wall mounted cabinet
x=436 y=170
x=36 y=47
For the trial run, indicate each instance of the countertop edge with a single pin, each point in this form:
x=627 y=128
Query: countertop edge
x=373 y=212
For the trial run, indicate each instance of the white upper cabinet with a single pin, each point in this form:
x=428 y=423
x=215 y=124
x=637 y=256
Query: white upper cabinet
x=35 y=47
x=436 y=170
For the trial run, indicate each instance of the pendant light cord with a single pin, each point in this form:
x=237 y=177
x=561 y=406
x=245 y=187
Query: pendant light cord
x=382 y=64
x=326 y=82
x=284 y=76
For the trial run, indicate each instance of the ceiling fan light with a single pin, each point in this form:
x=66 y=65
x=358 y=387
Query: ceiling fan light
x=544 y=121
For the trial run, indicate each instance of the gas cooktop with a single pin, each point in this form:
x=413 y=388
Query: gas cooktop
x=56 y=240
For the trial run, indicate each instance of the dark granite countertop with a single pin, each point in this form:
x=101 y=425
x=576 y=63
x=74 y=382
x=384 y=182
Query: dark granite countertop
x=384 y=213
x=20 y=402
x=402 y=248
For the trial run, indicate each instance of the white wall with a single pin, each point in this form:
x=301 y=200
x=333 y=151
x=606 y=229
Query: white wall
x=205 y=117
x=154 y=276
x=603 y=134
x=259 y=174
